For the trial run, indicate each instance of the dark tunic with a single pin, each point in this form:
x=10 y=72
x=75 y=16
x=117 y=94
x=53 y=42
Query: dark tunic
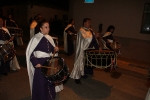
x=42 y=89
x=70 y=40
x=87 y=69
x=36 y=29
x=4 y=66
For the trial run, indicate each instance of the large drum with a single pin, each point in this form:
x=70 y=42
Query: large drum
x=100 y=59
x=7 y=52
x=55 y=70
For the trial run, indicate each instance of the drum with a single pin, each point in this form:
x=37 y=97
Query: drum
x=100 y=59
x=55 y=70
x=115 y=45
x=7 y=52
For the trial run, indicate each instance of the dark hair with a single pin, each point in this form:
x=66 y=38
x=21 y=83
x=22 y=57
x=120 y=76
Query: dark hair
x=109 y=28
x=100 y=26
x=85 y=20
x=38 y=17
x=70 y=21
x=40 y=24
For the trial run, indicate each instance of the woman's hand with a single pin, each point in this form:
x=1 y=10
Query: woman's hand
x=38 y=65
x=56 y=49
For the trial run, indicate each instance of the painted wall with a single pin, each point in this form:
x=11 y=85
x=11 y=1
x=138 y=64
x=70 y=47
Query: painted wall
x=22 y=13
x=19 y=13
x=46 y=12
x=125 y=15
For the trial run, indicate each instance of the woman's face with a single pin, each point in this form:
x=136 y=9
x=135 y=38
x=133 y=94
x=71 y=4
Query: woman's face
x=45 y=28
x=112 y=30
x=87 y=24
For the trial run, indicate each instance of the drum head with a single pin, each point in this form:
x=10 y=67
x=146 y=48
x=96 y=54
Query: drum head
x=7 y=52
x=52 y=66
x=55 y=69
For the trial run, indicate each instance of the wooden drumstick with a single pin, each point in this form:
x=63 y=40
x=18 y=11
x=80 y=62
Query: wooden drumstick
x=48 y=67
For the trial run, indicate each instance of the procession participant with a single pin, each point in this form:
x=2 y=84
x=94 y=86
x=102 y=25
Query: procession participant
x=6 y=38
x=40 y=48
x=108 y=38
x=85 y=40
x=33 y=25
x=69 y=37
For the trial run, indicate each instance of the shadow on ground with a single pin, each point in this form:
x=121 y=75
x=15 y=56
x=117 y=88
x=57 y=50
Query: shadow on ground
x=89 y=89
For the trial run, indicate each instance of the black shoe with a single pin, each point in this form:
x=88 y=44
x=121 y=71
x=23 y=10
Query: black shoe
x=5 y=74
x=84 y=76
x=77 y=81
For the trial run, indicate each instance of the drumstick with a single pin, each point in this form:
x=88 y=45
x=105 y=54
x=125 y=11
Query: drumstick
x=48 y=67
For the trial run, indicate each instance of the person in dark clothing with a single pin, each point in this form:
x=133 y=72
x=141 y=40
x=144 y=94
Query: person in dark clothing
x=108 y=37
x=40 y=48
x=5 y=38
x=69 y=37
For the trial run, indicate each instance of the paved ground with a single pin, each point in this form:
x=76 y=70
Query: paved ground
x=128 y=82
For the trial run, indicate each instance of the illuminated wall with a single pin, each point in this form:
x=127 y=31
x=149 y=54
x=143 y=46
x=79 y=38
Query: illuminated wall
x=125 y=15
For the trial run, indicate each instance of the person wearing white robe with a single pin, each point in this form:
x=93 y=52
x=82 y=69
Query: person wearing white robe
x=35 y=57
x=84 y=39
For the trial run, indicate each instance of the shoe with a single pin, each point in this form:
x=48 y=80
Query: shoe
x=84 y=76
x=5 y=74
x=77 y=81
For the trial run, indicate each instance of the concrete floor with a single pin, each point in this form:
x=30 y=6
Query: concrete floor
x=129 y=82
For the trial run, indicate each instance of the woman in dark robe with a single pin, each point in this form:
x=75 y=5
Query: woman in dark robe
x=108 y=38
x=39 y=50
x=69 y=37
x=4 y=38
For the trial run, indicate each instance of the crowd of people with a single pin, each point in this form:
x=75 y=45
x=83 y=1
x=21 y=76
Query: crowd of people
x=87 y=39
x=56 y=25
x=42 y=47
